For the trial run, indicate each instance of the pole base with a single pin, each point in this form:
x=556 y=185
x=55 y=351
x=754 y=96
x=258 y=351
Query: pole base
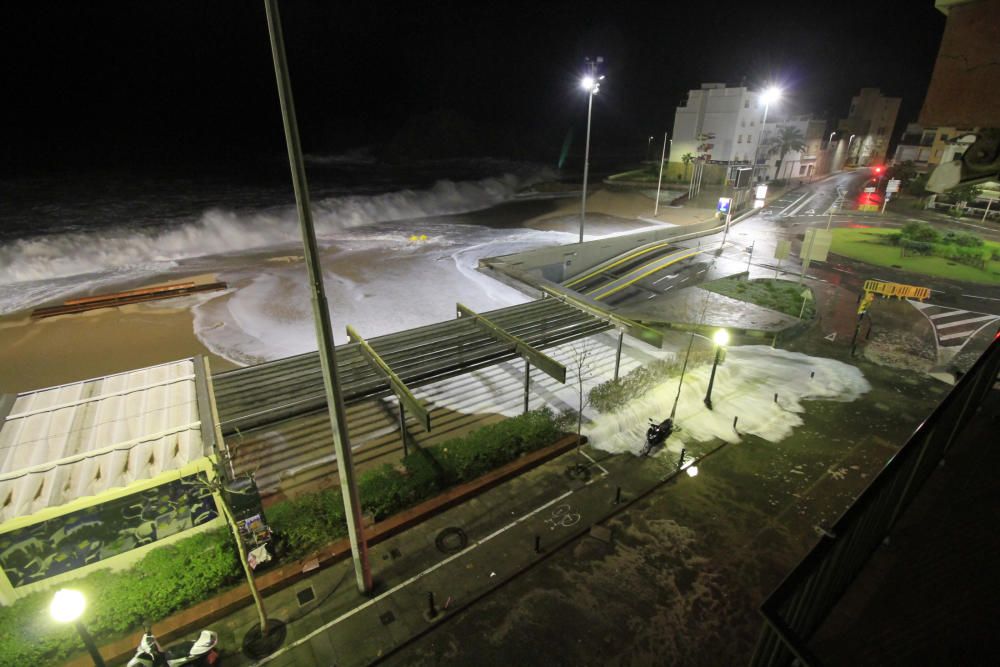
x=708 y=403
x=257 y=646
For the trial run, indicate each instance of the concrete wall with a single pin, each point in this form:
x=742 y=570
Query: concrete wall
x=559 y=263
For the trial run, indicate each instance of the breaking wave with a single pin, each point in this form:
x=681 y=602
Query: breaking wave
x=218 y=231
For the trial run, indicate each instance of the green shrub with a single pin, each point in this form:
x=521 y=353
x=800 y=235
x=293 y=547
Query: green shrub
x=167 y=579
x=611 y=395
x=920 y=231
x=916 y=247
x=309 y=521
x=967 y=240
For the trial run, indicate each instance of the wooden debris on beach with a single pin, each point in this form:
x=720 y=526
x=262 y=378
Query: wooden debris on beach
x=83 y=304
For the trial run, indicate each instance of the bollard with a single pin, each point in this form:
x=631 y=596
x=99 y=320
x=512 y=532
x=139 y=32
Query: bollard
x=538 y=544
x=734 y=422
x=431 y=610
x=680 y=463
x=775 y=398
x=812 y=375
x=618 y=495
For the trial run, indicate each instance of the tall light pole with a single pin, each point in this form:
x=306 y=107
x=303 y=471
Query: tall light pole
x=591 y=82
x=320 y=307
x=770 y=94
x=849 y=142
x=721 y=338
x=66 y=607
x=659 y=182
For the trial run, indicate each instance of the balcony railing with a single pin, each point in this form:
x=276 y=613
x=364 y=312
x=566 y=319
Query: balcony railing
x=800 y=604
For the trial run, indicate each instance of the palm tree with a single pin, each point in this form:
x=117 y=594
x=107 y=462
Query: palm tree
x=687 y=159
x=789 y=139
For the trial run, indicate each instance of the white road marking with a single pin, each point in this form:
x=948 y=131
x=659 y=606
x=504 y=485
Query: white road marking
x=603 y=469
x=973 y=296
x=414 y=578
x=802 y=205
x=968 y=321
x=948 y=314
x=782 y=212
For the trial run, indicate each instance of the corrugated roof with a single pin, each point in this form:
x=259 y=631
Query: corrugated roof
x=81 y=439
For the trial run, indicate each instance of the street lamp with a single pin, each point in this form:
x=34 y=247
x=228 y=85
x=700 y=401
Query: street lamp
x=721 y=338
x=591 y=82
x=849 y=142
x=770 y=94
x=66 y=607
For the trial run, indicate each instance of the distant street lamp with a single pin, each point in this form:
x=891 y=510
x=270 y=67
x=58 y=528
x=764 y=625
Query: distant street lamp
x=770 y=94
x=649 y=145
x=849 y=142
x=591 y=82
x=66 y=607
x=721 y=338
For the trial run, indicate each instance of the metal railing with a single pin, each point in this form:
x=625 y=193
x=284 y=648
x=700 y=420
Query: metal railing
x=800 y=604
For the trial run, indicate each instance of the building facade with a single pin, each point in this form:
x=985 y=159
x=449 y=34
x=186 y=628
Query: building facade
x=718 y=124
x=870 y=121
x=809 y=162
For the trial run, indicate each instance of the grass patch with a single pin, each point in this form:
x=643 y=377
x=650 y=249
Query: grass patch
x=871 y=246
x=781 y=295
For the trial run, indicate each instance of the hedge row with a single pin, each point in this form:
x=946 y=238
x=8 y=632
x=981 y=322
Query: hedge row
x=610 y=396
x=311 y=520
x=166 y=580
x=176 y=576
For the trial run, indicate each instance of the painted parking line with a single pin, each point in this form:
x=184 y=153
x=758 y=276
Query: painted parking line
x=968 y=321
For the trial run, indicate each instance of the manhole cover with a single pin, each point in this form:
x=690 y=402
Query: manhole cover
x=387 y=618
x=451 y=540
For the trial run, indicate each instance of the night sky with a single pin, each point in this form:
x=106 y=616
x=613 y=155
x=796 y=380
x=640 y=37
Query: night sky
x=134 y=84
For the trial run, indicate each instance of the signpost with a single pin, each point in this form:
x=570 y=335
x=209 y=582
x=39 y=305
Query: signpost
x=816 y=245
x=781 y=251
x=891 y=187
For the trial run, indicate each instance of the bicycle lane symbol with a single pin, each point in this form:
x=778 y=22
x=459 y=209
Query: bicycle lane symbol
x=562 y=516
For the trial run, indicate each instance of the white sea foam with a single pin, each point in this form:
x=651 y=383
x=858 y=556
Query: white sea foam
x=218 y=231
x=376 y=280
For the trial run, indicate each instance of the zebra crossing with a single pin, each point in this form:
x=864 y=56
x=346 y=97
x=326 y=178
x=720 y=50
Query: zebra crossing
x=953 y=326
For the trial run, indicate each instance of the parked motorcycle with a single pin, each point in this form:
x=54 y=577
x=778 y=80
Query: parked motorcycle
x=200 y=651
x=656 y=434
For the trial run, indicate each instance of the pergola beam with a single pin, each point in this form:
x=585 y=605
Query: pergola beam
x=405 y=396
x=547 y=364
x=634 y=329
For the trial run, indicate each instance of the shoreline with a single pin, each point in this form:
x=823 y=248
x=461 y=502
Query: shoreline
x=39 y=353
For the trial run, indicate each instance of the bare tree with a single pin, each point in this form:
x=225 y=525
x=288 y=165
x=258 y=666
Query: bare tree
x=582 y=358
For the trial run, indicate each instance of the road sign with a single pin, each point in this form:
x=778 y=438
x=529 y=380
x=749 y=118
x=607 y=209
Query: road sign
x=783 y=249
x=760 y=192
x=893 y=185
x=723 y=206
x=807 y=294
x=816 y=244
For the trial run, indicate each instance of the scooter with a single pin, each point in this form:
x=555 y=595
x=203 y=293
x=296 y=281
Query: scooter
x=656 y=434
x=200 y=651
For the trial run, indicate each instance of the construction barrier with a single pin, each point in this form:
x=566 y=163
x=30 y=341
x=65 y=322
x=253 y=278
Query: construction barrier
x=898 y=290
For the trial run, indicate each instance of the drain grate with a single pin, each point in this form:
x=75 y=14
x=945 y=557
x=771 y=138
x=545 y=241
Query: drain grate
x=306 y=595
x=387 y=618
x=451 y=540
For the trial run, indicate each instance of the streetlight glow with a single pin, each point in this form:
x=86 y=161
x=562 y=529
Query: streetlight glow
x=721 y=337
x=67 y=605
x=587 y=83
x=692 y=471
x=771 y=94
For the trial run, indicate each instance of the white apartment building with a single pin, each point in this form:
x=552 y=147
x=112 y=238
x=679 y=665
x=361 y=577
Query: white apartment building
x=722 y=124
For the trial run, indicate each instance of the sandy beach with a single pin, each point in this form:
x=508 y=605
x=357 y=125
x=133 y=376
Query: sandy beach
x=36 y=353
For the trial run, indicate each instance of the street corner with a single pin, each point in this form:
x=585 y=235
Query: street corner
x=897 y=335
